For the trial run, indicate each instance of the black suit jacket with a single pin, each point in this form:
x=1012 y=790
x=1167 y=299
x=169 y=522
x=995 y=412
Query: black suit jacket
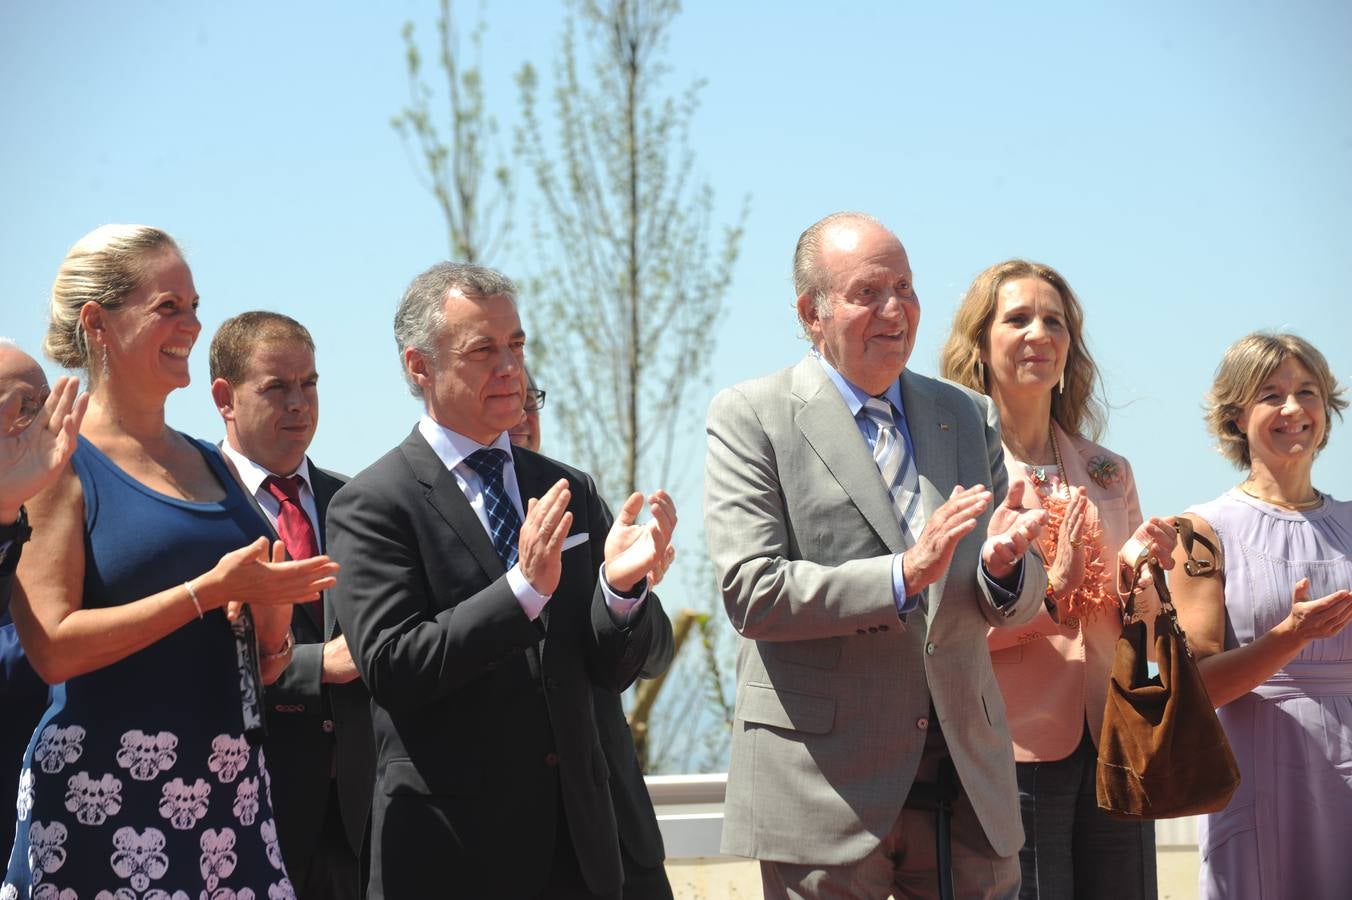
x=484 y=719
x=314 y=728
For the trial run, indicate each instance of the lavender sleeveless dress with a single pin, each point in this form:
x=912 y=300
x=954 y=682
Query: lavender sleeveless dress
x=1288 y=829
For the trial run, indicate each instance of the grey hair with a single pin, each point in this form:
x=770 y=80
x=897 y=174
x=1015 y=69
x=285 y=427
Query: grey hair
x=421 y=317
x=807 y=275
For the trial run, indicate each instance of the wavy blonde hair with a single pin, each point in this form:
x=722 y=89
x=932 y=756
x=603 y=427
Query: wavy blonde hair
x=1248 y=363
x=1078 y=408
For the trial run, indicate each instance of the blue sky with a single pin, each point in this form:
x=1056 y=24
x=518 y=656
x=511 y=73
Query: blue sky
x=1187 y=167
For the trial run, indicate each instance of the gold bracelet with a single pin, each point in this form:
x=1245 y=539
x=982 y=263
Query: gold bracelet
x=287 y=646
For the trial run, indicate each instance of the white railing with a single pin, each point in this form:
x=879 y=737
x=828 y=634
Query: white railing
x=690 y=814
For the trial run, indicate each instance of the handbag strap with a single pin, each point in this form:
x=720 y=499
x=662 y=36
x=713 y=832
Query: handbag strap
x=1197 y=568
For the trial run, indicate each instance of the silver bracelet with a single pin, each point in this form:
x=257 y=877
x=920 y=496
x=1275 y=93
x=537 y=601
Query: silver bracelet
x=192 y=595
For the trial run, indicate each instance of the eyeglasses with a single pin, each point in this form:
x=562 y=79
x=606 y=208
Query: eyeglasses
x=534 y=400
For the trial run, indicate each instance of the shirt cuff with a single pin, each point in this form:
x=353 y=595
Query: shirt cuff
x=904 y=603
x=532 y=601
x=622 y=609
x=1002 y=598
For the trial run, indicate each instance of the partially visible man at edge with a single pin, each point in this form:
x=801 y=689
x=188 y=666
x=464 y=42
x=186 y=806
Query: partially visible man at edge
x=487 y=592
x=31 y=420
x=320 y=749
x=641 y=849
x=849 y=514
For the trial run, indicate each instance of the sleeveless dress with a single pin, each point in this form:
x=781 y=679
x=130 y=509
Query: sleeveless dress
x=1286 y=830
x=138 y=783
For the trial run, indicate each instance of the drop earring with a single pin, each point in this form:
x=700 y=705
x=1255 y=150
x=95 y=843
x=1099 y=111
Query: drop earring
x=981 y=373
x=1061 y=382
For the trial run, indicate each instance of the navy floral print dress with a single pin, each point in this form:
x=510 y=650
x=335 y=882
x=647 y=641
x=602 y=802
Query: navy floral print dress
x=138 y=783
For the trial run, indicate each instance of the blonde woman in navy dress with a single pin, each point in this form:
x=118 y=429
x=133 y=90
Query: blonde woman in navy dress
x=139 y=781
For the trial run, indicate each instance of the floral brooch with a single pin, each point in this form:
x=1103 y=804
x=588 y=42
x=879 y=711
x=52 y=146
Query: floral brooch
x=1104 y=471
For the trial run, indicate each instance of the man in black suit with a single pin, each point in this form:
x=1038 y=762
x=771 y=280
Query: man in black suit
x=641 y=848
x=320 y=750
x=484 y=593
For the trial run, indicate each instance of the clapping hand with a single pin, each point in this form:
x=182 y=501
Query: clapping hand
x=31 y=459
x=1013 y=529
x=635 y=552
x=539 y=547
x=1067 y=568
x=956 y=518
x=260 y=574
x=1315 y=619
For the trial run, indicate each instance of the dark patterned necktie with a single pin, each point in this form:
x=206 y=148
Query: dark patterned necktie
x=504 y=522
x=295 y=529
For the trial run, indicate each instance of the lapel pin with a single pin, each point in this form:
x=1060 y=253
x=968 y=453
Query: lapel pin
x=943 y=426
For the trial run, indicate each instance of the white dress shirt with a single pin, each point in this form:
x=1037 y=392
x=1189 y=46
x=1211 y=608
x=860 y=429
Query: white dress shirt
x=253 y=475
x=452 y=448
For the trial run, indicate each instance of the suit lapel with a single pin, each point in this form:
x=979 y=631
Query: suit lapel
x=324 y=489
x=831 y=431
x=934 y=434
x=444 y=496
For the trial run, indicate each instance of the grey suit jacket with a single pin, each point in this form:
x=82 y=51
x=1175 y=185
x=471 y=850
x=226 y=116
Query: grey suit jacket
x=833 y=688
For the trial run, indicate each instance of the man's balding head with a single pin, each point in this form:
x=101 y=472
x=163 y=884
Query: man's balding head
x=23 y=388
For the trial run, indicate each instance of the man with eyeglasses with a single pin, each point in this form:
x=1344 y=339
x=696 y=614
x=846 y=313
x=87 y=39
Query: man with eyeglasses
x=641 y=850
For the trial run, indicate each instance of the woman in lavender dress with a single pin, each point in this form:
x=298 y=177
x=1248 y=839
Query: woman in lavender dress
x=1270 y=633
x=139 y=783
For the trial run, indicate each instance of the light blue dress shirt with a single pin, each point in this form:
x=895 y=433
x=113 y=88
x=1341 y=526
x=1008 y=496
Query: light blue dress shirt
x=854 y=398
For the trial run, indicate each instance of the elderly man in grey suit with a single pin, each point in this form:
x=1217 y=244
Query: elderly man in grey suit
x=851 y=513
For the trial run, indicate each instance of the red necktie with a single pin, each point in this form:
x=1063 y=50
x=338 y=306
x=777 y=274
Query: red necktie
x=294 y=527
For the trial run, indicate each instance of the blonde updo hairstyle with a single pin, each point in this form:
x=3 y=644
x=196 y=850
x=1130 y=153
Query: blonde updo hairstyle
x=1076 y=408
x=105 y=267
x=1248 y=363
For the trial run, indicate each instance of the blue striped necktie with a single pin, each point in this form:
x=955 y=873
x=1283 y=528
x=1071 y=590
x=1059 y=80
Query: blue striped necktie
x=504 y=522
x=896 y=464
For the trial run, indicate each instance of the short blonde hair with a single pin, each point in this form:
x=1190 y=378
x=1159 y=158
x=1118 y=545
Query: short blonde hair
x=1248 y=363
x=105 y=267
x=1076 y=408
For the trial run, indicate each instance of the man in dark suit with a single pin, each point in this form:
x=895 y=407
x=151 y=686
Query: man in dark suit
x=484 y=593
x=320 y=750
x=641 y=848
x=37 y=436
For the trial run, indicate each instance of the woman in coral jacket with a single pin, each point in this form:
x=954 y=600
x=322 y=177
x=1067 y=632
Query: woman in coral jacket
x=1017 y=337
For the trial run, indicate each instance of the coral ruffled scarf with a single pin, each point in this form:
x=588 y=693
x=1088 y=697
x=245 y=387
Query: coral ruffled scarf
x=1095 y=592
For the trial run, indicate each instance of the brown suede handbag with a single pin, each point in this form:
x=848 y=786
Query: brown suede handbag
x=1162 y=752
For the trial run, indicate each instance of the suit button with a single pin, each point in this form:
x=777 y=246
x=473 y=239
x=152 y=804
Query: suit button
x=551 y=684
x=860 y=631
x=929 y=648
x=327 y=726
x=882 y=627
x=1072 y=622
x=551 y=759
x=922 y=723
x=873 y=629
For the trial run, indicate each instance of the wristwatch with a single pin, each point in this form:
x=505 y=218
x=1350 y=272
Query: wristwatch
x=14 y=535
